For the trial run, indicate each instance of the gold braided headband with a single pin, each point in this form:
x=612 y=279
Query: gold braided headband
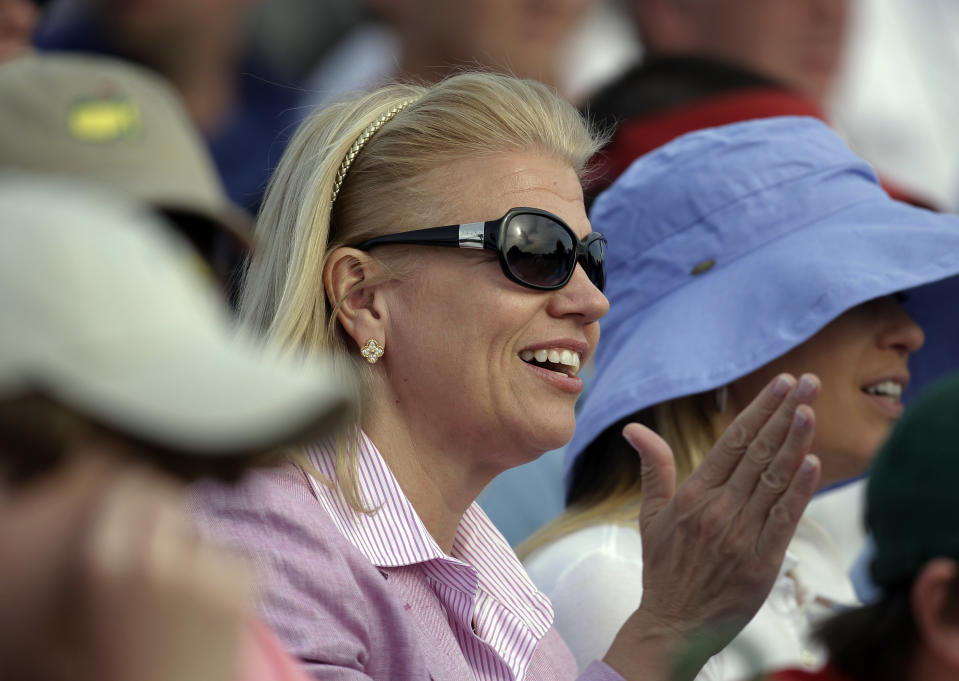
x=362 y=140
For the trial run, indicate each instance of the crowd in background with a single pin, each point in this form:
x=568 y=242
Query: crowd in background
x=125 y=121
x=872 y=69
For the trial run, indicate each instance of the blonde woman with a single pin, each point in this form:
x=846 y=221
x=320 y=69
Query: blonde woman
x=436 y=239
x=743 y=251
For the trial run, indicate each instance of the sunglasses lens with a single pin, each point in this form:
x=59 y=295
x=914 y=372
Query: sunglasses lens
x=539 y=251
x=596 y=262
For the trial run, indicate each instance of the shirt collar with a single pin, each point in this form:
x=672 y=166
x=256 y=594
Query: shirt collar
x=394 y=535
x=814 y=559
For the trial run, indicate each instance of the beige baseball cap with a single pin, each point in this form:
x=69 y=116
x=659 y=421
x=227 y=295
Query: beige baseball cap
x=106 y=311
x=112 y=122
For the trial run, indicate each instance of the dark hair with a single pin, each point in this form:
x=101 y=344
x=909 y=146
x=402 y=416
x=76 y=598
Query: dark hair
x=222 y=250
x=607 y=465
x=605 y=483
x=37 y=433
x=878 y=642
x=874 y=642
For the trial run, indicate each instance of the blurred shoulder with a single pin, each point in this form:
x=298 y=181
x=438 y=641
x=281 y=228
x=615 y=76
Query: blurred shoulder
x=594 y=546
x=271 y=505
x=593 y=577
x=273 y=514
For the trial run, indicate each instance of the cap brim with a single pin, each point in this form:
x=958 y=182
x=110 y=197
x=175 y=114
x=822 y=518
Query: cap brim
x=207 y=399
x=230 y=220
x=730 y=321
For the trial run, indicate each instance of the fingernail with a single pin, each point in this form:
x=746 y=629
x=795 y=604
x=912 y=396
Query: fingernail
x=782 y=386
x=800 y=419
x=632 y=443
x=807 y=386
x=809 y=464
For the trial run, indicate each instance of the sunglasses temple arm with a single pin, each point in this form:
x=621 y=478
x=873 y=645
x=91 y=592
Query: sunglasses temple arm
x=433 y=236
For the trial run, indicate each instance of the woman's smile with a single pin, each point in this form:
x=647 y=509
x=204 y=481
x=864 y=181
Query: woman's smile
x=567 y=382
x=558 y=363
x=885 y=393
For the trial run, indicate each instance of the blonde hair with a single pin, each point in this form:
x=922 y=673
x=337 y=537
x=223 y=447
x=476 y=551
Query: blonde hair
x=467 y=115
x=606 y=483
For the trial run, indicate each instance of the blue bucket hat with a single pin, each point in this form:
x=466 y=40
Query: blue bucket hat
x=732 y=245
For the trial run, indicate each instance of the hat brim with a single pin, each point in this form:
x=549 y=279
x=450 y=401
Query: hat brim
x=867 y=250
x=205 y=397
x=230 y=220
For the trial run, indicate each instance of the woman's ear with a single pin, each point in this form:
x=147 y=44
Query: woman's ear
x=354 y=280
x=935 y=611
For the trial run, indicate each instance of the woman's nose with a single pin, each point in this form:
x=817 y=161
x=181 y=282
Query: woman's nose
x=901 y=333
x=580 y=297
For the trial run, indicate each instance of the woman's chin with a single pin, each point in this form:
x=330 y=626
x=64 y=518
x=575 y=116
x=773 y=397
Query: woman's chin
x=552 y=436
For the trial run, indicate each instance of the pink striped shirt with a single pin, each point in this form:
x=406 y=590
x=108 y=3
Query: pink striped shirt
x=349 y=620
x=496 y=613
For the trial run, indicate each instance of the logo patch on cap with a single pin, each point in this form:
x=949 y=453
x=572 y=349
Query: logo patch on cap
x=104 y=119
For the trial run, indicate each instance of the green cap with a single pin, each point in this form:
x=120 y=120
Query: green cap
x=912 y=501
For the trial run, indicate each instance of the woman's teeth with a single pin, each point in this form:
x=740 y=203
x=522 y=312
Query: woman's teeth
x=566 y=359
x=888 y=389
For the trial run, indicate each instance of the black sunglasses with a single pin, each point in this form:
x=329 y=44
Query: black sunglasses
x=536 y=249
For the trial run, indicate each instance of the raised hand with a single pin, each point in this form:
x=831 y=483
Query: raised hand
x=712 y=548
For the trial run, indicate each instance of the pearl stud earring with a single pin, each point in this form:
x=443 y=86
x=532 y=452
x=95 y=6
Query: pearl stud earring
x=372 y=351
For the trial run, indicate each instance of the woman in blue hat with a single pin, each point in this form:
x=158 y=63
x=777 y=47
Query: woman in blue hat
x=738 y=252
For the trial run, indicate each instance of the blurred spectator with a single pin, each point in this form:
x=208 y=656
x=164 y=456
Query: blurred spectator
x=104 y=120
x=896 y=99
x=911 y=633
x=241 y=107
x=18 y=19
x=295 y=34
x=714 y=62
x=120 y=379
x=796 y=43
x=896 y=103
x=601 y=48
x=425 y=40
